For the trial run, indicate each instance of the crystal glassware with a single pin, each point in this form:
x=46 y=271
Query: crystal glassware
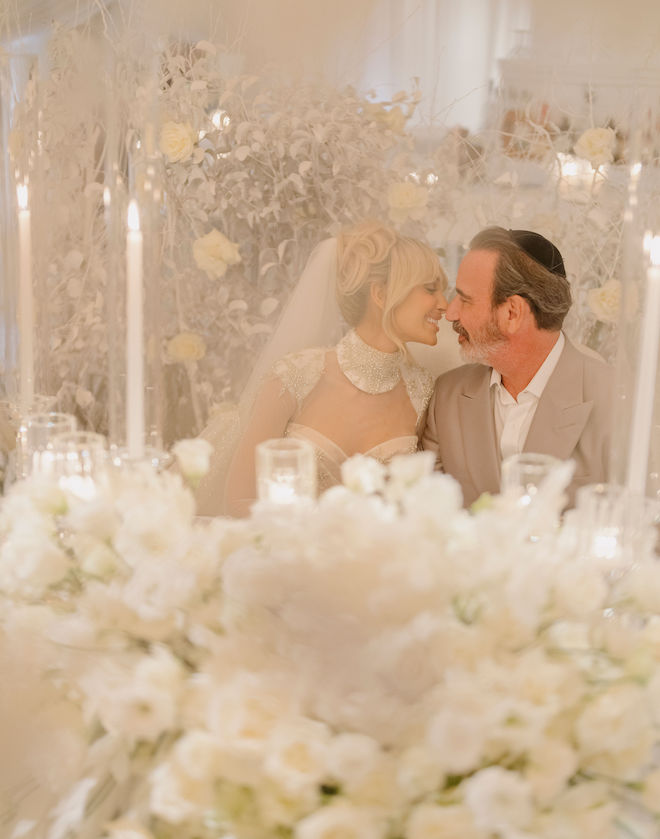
x=615 y=525
x=523 y=474
x=35 y=434
x=79 y=462
x=286 y=470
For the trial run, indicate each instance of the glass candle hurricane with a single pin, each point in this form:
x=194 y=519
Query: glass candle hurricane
x=286 y=471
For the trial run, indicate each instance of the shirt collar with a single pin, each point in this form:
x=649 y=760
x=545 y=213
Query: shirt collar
x=542 y=375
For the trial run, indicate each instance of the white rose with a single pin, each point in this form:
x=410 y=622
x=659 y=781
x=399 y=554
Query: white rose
x=175 y=796
x=406 y=200
x=605 y=301
x=193 y=457
x=363 y=474
x=340 y=821
x=296 y=758
x=186 y=346
x=432 y=821
x=214 y=253
x=177 y=141
x=597 y=146
x=499 y=800
x=197 y=753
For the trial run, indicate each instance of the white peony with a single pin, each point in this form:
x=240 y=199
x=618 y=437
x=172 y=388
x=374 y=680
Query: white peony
x=177 y=141
x=214 y=253
x=193 y=457
x=597 y=146
x=406 y=200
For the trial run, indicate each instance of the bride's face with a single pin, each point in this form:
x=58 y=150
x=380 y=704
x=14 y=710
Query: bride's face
x=416 y=317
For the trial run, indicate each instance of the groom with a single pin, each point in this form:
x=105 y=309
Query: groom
x=531 y=389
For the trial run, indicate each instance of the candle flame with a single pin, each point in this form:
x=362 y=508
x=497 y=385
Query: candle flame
x=636 y=169
x=133 y=217
x=22 y=196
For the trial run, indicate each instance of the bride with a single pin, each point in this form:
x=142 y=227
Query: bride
x=363 y=395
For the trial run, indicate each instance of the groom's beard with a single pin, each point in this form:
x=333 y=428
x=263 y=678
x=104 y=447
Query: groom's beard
x=480 y=344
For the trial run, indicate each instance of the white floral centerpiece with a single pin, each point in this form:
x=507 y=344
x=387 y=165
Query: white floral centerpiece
x=387 y=665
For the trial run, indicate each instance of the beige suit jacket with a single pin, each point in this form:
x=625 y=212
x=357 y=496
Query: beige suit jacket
x=572 y=420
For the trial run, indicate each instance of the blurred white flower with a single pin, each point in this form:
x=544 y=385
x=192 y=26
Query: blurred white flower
x=193 y=457
x=406 y=200
x=499 y=800
x=340 y=821
x=214 y=253
x=605 y=300
x=177 y=141
x=596 y=145
x=363 y=474
x=433 y=821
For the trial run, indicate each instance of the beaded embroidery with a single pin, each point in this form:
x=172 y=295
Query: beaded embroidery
x=369 y=369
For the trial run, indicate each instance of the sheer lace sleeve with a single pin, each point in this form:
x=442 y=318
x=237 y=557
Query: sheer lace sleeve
x=299 y=372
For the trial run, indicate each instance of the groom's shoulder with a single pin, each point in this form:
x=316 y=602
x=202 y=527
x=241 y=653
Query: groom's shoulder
x=458 y=378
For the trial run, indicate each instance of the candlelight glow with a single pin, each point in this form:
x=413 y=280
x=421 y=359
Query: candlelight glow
x=22 y=196
x=220 y=119
x=133 y=217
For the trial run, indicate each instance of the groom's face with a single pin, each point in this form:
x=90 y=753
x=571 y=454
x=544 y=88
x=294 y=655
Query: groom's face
x=471 y=311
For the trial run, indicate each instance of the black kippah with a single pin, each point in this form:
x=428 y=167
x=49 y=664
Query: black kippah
x=540 y=249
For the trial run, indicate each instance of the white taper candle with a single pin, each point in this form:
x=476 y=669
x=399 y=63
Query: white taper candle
x=647 y=366
x=25 y=301
x=134 y=337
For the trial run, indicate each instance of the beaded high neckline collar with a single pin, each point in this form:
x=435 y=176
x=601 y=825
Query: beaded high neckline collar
x=369 y=369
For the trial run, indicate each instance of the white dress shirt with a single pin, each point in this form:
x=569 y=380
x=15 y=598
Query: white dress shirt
x=514 y=417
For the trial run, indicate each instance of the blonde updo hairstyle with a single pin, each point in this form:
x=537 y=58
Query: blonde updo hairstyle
x=370 y=253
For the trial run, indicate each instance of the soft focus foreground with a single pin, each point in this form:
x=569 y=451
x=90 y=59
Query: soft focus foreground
x=383 y=665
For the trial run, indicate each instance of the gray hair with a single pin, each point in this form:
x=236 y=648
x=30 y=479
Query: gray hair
x=548 y=294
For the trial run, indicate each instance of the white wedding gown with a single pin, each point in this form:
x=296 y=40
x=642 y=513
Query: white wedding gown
x=344 y=400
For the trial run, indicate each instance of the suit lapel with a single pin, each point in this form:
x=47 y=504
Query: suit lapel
x=482 y=456
x=562 y=412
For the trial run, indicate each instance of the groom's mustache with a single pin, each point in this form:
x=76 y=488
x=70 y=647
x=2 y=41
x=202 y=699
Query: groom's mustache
x=456 y=326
